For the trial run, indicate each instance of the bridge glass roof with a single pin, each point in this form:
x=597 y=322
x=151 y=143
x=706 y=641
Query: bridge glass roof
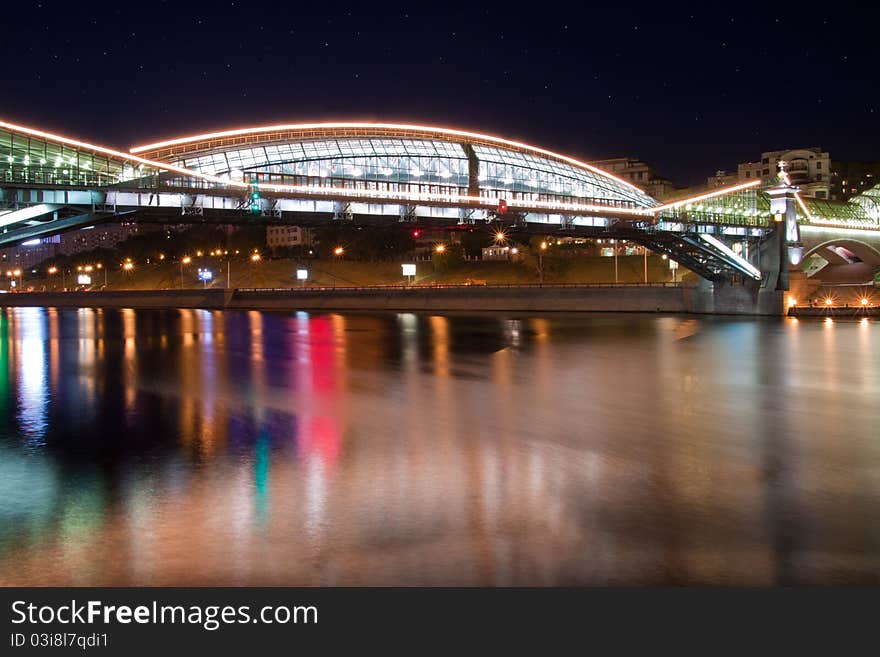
x=414 y=165
x=520 y=173
x=29 y=159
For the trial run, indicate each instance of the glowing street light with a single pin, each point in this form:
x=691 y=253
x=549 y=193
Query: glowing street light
x=500 y=236
x=255 y=257
x=828 y=301
x=338 y=251
x=440 y=248
x=864 y=301
x=53 y=270
x=127 y=266
x=185 y=260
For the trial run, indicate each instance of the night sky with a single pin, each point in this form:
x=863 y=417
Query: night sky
x=690 y=88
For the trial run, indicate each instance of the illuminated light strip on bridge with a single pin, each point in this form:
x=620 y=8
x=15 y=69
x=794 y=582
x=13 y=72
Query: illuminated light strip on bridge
x=721 y=246
x=806 y=211
x=381 y=126
x=428 y=197
x=109 y=151
x=843 y=224
x=702 y=197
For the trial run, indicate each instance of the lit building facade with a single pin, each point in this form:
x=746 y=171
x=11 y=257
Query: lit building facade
x=808 y=168
x=287 y=236
x=639 y=173
x=849 y=179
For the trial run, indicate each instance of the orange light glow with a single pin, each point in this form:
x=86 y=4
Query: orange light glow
x=702 y=197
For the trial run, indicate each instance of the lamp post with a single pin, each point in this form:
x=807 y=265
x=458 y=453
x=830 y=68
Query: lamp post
x=185 y=260
x=614 y=242
x=541 y=249
x=646 y=263
x=337 y=252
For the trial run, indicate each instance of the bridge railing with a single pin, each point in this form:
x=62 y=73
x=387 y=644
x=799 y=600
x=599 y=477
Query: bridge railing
x=422 y=288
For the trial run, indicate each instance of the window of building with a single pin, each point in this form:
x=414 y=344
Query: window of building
x=748 y=174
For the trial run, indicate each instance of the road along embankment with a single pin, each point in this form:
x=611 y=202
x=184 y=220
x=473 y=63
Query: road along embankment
x=665 y=298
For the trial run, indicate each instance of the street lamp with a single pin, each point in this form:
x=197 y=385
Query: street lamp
x=614 y=242
x=338 y=251
x=255 y=257
x=52 y=270
x=185 y=260
x=541 y=261
x=440 y=248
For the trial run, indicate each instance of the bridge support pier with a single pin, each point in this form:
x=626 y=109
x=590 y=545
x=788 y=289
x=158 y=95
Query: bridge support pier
x=767 y=296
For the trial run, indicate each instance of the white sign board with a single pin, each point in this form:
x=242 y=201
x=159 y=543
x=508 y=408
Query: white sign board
x=302 y=274
x=409 y=270
x=84 y=279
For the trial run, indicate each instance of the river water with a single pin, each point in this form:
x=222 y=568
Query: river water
x=188 y=447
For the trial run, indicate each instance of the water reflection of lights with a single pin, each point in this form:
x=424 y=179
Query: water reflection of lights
x=130 y=371
x=440 y=343
x=512 y=331
x=33 y=395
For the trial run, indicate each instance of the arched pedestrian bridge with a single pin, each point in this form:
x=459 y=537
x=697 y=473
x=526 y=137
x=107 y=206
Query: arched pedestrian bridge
x=311 y=174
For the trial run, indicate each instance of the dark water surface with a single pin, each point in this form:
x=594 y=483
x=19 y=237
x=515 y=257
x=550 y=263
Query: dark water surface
x=197 y=447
